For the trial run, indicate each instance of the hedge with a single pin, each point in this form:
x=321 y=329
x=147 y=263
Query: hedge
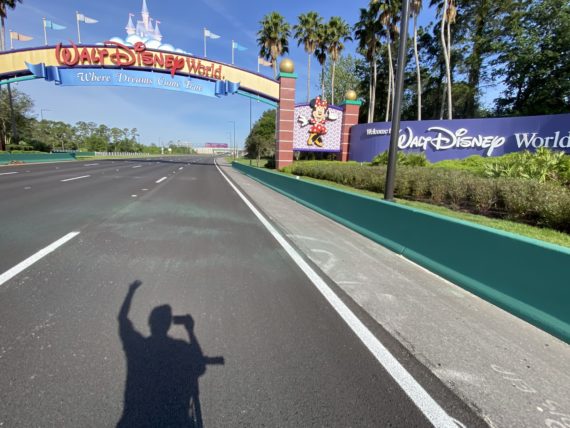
x=526 y=201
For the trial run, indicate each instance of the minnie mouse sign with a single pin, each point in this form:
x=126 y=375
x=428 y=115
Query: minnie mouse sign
x=317 y=126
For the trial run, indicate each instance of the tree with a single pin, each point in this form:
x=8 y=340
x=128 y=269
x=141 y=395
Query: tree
x=22 y=105
x=321 y=52
x=389 y=18
x=415 y=8
x=261 y=140
x=4 y=6
x=306 y=32
x=366 y=31
x=273 y=38
x=338 y=32
x=346 y=76
x=534 y=59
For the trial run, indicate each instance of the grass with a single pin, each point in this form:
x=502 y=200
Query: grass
x=547 y=235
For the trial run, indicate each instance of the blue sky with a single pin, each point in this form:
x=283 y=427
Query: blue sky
x=161 y=115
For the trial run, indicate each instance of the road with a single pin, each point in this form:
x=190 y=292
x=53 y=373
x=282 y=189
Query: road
x=254 y=342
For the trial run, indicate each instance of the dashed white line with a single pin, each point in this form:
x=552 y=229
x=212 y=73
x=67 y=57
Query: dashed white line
x=9 y=274
x=8 y=173
x=133 y=196
x=181 y=168
x=91 y=164
x=74 y=178
x=421 y=398
x=137 y=166
x=160 y=180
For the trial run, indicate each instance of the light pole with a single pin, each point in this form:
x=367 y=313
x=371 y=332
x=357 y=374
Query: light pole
x=42 y=113
x=395 y=132
x=234 y=122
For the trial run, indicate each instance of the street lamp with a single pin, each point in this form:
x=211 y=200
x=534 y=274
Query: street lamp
x=42 y=112
x=234 y=122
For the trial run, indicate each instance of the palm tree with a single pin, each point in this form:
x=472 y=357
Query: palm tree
x=389 y=18
x=366 y=31
x=273 y=38
x=416 y=7
x=306 y=32
x=321 y=52
x=338 y=32
x=4 y=6
x=448 y=11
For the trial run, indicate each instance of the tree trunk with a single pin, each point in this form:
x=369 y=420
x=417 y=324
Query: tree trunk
x=2 y=38
x=450 y=82
x=323 y=80
x=418 y=73
x=390 y=78
x=370 y=100
x=375 y=82
x=309 y=79
x=332 y=82
x=445 y=54
x=275 y=68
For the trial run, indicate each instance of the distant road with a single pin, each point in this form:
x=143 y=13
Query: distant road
x=266 y=348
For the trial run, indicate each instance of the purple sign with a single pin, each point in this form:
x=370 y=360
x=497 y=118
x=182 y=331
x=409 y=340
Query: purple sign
x=318 y=127
x=216 y=145
x=458 y=139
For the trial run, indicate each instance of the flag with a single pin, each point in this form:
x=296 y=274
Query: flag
x=54 y=26
x=261 y=61
x=208 y=33
x=236 y=45
x=21 y=37
x=87 y=20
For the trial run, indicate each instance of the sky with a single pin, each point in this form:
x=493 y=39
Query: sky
x=162 y=116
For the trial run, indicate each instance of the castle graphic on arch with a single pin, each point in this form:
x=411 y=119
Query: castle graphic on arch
x=144 y=28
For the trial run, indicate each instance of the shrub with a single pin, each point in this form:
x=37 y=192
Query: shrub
x=529 y=201
x=404 y=159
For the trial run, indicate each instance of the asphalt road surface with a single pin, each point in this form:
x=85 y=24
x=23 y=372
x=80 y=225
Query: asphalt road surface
x=96 y=258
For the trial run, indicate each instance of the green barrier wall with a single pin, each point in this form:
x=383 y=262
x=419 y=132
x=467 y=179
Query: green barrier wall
x=529 y=278
x=6 y=158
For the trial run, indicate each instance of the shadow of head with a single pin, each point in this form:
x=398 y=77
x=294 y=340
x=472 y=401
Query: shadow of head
x=160 y=320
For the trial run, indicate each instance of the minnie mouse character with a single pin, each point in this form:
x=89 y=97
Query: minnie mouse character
x=319 y=116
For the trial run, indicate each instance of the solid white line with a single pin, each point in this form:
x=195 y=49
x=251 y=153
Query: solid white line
x=428 y=406
x=91 y=164
x=9 y=274
x=74 y=178
x=8 y=173
x=161 y=180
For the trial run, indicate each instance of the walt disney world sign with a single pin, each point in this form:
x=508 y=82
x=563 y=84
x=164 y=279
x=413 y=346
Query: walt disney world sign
x=115 y=64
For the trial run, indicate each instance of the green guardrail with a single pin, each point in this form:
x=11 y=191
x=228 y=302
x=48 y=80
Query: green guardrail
x=528 y=278
x=6 y=158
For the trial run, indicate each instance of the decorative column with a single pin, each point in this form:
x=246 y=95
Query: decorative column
x=285 y=114
x=350 y=108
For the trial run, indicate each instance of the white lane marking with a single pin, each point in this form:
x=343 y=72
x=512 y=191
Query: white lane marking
x=74 y=178
x=181 y=168
x=427 y=405
x=91 y=164
x=27 y=188
x=144 y=190
x=137 y=166
x=133 y=196
x=160 y=180
x=9 y=274
x=8 y=173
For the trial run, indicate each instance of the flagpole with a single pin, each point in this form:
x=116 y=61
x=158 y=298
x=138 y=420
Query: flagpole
x=45 y=31
x=11 y=40
x=204 y=42
x=78 y=32
x=232 y=52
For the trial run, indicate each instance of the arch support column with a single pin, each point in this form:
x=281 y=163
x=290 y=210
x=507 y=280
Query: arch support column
x=350 y=108
x=285 y=115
